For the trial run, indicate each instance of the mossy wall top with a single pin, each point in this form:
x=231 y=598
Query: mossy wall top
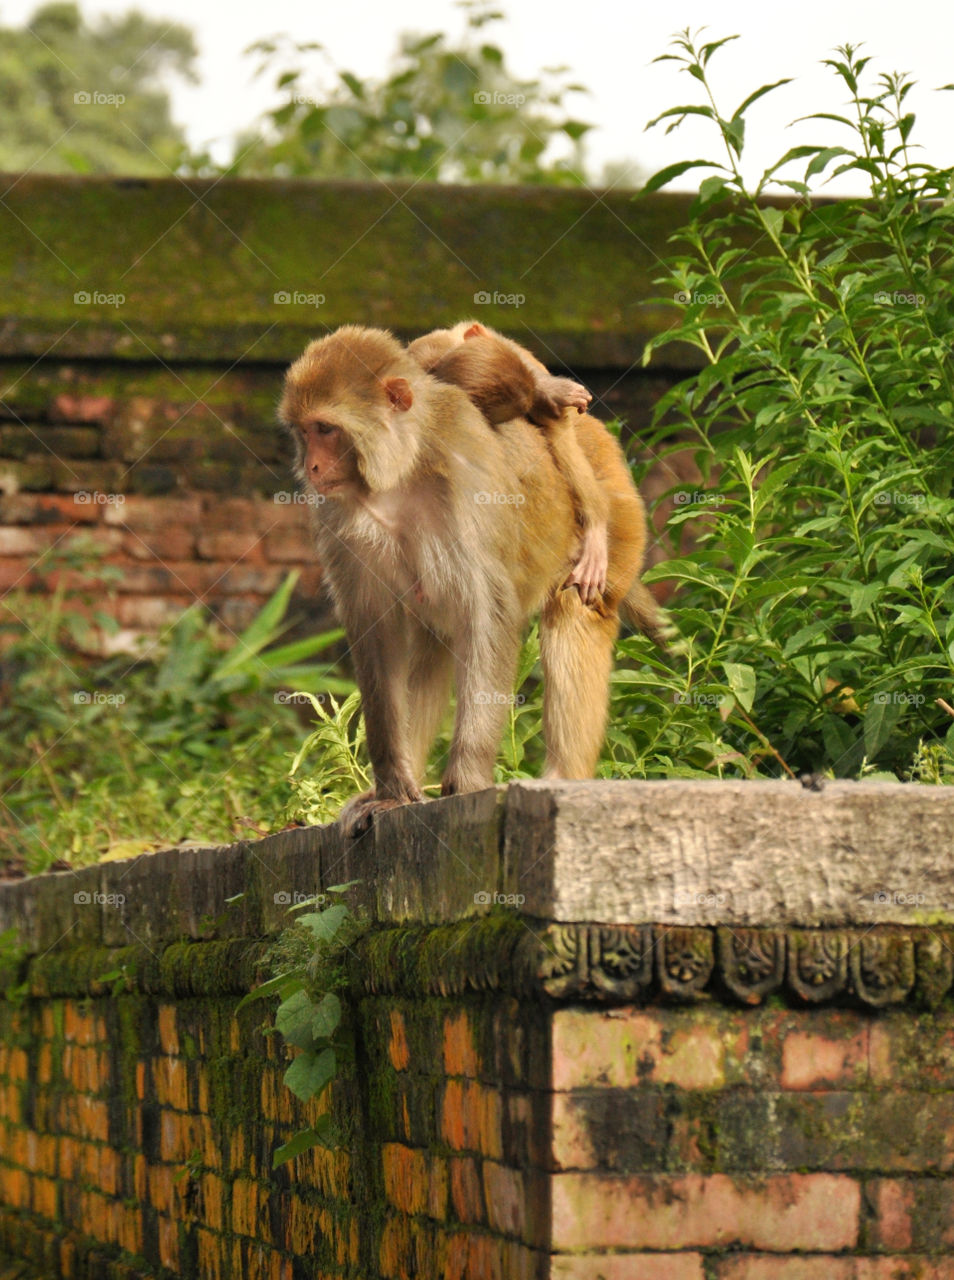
x=251 y=270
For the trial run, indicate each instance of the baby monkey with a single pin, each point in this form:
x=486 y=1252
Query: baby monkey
x=505 y=381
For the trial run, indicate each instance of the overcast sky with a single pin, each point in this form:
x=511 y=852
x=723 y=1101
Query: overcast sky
x=609 y=46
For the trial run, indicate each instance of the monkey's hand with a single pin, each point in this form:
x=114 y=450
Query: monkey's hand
x=589 y=572
x=357 y=817
x=553 y=395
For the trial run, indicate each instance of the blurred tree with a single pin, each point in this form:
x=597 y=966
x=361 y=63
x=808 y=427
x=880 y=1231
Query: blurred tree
x=88 y=98
x=448 y=111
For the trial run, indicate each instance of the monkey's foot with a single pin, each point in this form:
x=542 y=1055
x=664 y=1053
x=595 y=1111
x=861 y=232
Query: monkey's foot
x=589 y=572
x=556 y=394
x=357 y=817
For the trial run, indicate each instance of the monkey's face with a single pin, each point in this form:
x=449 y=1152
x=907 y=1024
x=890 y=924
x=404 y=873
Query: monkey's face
x=352 y=413
x=327 y=458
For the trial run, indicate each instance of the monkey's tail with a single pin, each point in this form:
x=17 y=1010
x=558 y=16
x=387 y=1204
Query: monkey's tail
x=639 y=610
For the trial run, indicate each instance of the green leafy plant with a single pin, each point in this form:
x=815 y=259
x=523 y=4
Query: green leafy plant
x=816 y=601
x=310 y=972
x=116 y=756
x=448 y=111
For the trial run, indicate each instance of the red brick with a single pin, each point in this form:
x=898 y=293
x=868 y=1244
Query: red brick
x=231 y=545
x=629 y=1266
x=175 y=543
x=405 y=1177
x=24 y=542
x=81 y=408
x=169 y=1244
x=150 y=615
x=245 y=1207
x=172 y=1083
x=154 y=513
x=812 y=1061
x=210 y=1255
x=236 y=514
x=505 y=1194
x=893 y=1204
x=398 y=1050
x=289 y=546
x=17 y=575
x=753 y=1267
x=465 y=1188
x=460 y=1052
x=460 y=1115
x=780 y=1212
x=622 y=1048
x=46 y=508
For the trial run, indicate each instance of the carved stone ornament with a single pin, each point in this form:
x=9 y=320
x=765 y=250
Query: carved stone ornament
x=625 y=964
x=818 y=964
x=752 y=962
x=598 y=961
x=882 y=967
x=685 y=959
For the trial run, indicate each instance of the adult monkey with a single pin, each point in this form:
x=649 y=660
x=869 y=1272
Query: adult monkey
x=441 y=536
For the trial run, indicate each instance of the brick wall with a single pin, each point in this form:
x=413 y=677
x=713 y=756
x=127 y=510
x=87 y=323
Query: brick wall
x=522 y=1098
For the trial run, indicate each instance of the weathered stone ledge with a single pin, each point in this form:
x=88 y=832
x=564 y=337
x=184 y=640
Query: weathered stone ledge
x=771 y=855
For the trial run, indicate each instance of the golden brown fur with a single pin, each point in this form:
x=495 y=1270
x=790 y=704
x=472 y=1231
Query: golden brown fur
x=441 y=537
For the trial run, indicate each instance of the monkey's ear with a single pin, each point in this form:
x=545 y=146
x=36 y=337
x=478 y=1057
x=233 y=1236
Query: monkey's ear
x=398 y=392
x=476 y=330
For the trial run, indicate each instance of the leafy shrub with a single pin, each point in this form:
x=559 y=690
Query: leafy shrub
x=816 y=602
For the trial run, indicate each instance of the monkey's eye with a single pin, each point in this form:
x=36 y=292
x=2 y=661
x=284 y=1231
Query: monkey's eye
x=323 y=428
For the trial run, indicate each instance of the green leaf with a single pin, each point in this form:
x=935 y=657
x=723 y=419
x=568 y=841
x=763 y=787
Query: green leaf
x=707 y=50
x=293 y=1019
x=664 y=176
x=678 y=114
x=354 y=84
x=325 y=924
x=760 y=93
x=284 y=985
x=881 y=717
x=310 y=1073
x=326 y=1016
x=741 y=680
x=773 y=220
x=303 y=1141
